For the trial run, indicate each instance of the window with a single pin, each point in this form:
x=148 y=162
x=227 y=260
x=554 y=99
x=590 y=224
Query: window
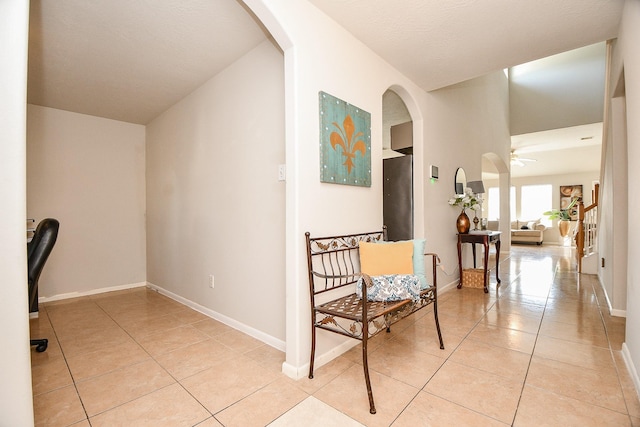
x=512 y=208
x=535 y=199
x=493 y=202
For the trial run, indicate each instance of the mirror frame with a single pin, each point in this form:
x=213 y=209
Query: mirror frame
x=460 y=178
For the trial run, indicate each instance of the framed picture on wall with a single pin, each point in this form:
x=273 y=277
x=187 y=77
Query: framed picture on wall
x=568 y=193
x=345 y=142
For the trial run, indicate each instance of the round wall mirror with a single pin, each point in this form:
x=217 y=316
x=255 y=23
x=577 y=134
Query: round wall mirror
x=460 y=181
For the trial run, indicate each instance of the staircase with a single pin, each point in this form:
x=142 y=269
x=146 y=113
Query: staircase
x=587 y=234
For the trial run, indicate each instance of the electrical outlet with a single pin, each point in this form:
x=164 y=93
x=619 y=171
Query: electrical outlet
x=211 y=281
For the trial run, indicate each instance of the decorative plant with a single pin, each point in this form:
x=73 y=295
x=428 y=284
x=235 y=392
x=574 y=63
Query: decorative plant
x=466 y=200
x=562 y=214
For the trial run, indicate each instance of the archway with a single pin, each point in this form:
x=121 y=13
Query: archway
x=397 y=167
x=496 y=174
x=403 y=151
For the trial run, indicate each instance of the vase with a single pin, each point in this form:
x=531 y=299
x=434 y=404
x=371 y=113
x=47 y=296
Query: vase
x=462 y=223
x=563 y=227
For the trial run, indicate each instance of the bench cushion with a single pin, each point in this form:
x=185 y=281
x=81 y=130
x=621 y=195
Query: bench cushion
x=391 y=287
x=419 y=268
x=418 y=261
x=390 y=258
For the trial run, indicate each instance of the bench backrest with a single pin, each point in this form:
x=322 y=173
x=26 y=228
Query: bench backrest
x=332 y=256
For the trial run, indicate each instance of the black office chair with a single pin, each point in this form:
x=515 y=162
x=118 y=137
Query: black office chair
x=38 y=250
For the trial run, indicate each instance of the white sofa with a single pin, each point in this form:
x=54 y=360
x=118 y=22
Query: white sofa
x=531 y=231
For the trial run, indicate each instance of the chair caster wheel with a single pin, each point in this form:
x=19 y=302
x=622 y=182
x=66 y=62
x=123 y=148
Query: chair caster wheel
x=42 y=347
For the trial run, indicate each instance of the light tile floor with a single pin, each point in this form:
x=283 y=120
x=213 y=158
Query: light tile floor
x=539 y=350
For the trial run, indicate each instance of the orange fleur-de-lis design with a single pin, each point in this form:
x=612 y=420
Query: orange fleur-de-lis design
x=348 y=141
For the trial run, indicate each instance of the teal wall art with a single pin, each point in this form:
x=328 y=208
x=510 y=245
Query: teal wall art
x=345 y=142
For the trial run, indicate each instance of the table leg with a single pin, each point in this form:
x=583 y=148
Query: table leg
x=486 y=264
x=474 y=254
x=497 y=260
x=460 y=262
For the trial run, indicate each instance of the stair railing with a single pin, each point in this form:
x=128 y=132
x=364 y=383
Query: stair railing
x=587 y=228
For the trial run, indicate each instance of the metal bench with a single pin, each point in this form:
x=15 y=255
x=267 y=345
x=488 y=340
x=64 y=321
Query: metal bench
x=334 y=269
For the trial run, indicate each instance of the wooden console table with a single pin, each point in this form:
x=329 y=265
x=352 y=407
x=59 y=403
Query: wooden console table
x=485 y=238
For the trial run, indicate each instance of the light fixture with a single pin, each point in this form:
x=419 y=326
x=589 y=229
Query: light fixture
x=476 y=186
x=517 y=160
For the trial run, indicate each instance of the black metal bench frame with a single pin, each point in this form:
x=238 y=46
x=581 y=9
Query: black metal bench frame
x=334 y=266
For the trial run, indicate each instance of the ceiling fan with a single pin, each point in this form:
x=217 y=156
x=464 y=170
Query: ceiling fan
x=517 y=160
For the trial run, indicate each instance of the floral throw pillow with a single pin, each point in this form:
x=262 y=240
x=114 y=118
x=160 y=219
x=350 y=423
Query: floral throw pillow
x=391 y=287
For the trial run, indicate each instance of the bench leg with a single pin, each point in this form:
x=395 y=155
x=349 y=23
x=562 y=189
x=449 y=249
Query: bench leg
x=313 y=349
x=435 y=315
x=365 y=365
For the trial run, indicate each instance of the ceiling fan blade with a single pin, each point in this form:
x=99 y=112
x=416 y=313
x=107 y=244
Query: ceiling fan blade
x=517 y=160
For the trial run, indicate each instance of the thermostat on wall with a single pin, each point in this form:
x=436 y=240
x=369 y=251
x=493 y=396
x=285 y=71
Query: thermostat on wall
x=434 y=172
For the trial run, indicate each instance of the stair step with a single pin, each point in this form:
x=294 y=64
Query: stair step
x=590 y=263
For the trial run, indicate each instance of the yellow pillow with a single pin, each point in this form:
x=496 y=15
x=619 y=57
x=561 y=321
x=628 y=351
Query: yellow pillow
x=391 y=258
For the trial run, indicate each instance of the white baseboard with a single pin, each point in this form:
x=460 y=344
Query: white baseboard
x=633 y=373
x=91 y=292
x=299 y=372
x=617 y=313
x=448 y=287
x=259 y=335
x=612 y=311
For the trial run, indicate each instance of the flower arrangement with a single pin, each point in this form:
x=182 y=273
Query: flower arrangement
x=466 y=200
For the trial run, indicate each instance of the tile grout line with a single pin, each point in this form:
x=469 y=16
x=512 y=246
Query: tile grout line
x=535 y=343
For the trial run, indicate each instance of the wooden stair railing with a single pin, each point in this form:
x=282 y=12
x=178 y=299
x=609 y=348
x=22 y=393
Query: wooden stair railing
x=587 y=228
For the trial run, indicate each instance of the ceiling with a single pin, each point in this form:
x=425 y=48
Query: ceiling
x=437 y=43
x=131 y=60
x=556 y=96
x=570 y=150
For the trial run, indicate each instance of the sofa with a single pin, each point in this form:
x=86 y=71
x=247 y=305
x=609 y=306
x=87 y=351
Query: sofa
x=531 y=231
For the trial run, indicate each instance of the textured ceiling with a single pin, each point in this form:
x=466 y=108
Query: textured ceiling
x=440 y=42
x=130 y=60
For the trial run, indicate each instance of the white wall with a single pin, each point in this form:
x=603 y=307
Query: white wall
x=16 y=408
x=626 y=53
x=462 y=122
x=613 y=223
x=309 y=66
x=214 y=204
x=338 y=64
x=361 y=78
x=558 y=91
x=87 y=172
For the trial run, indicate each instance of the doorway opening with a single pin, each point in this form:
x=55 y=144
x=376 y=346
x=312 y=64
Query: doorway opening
x=397 y=170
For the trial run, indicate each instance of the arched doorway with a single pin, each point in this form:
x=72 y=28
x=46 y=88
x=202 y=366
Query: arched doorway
x=495 y=174
x=397 y=148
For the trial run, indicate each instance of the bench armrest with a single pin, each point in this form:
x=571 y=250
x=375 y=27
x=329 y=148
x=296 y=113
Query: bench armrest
x=435 y=262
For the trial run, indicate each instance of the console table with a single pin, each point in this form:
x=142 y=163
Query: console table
x=485 y=238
